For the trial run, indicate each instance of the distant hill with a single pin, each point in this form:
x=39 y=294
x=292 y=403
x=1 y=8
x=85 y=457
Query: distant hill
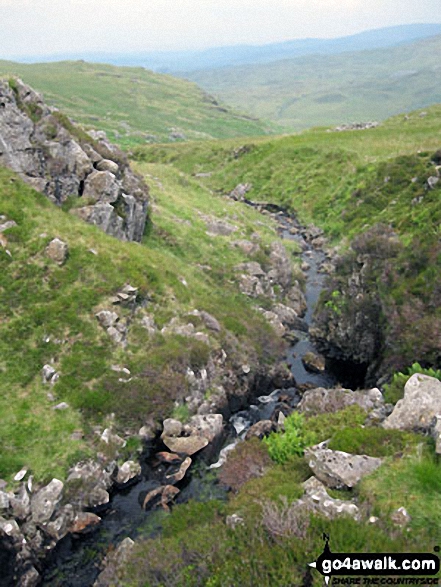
x=133 y=105
x=181 y=61
x=325 y=90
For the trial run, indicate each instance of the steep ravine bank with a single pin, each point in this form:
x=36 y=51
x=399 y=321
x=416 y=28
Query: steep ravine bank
x=76 y=560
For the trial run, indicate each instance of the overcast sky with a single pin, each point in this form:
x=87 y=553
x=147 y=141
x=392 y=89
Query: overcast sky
x=41 y=27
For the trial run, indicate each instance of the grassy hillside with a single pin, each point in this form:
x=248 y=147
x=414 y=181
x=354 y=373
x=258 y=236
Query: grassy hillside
x=348 y=183
x=48 y=316
x=133 y=105
x=324 y=90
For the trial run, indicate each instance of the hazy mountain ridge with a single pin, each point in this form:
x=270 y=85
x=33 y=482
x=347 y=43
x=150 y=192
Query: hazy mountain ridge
x=181 y=61
x=325 y=90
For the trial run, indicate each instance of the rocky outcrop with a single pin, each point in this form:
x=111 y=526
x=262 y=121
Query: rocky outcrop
x=277 y=282
x=420 y=406
x=349 y=323
x=338 y=469
x=60 y=160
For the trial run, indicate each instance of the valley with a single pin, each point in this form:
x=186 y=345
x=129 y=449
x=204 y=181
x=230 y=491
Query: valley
x=129 y=360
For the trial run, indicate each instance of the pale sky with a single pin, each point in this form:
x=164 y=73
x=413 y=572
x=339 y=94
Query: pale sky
x=42 y=27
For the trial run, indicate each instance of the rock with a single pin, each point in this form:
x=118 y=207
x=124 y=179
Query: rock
x=318 y=500
x=420 y=405
x=57 y=250
x=338 y=469
x=61 y=406
x=9 y=527
x=209 y=426
x=31 y=578
x=107 y=165
x=400 y=517
x=275 y=322
x=187 y=445
x=20 y=475
x=45 y=501
x=314 y=362
x=116 y=335
x=281 y=268
x=436 y=432
x=4 y=500
x=59 y=527
x=220 y=228
x=111 y=438
x=87 y=485
x=172 y=427
x=106 y=318
x=168 y=457
x=102 y=186
x=49 y=374
x=287 y=316
x=21 y=504
x=322 y=401
x=234 y=520
x=6 y=224
x=84 y=522
x=114 y=561
x=128 y=472
x=176 y=327
x=148 y=323
x=180 y=473
x=260 y=429
x=246 y=246
x=432 y=182
x=356 y=126
x=210 y=321
x=167 y=494
x=38 y=144
x=240 y=191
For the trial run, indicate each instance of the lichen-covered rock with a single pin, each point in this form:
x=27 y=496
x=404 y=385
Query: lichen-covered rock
x=57 y=250
x=420 y=405
x=338 y=469
x=45 y=501
x=317 y=499
x=60 y=160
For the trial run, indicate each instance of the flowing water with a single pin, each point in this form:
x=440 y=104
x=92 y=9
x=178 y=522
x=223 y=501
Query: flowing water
x=76 y=561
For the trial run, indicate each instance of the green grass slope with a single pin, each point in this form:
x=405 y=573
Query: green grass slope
x=132 y=104
x=323 y=90
x=48 y=316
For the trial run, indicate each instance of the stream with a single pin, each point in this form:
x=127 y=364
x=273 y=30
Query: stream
x=76 y=561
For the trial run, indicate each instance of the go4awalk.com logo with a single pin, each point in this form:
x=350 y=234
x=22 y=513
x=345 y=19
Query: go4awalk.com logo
x=377 y=569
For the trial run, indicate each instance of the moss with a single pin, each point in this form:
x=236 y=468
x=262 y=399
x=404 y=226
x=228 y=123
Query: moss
x=372 y=441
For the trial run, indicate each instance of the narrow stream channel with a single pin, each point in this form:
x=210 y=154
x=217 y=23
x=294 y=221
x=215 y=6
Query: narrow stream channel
x=76 y=561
